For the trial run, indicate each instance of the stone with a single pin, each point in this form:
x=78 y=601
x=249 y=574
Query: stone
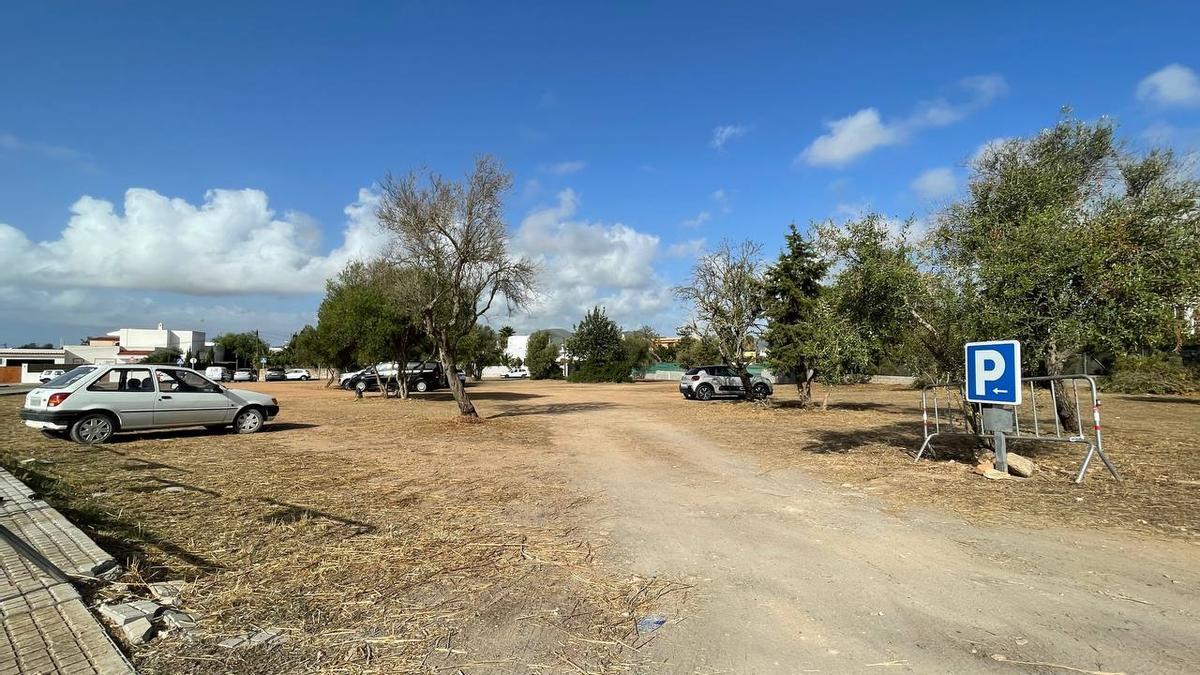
x=992 y=474
x=1020 y=465
x=167 y=592
x=138 y=630
x=984 y=466
x=272 y=636
x=177 y=620
x=122 y=614
x=234 y=642
x=173 y=488
x=147 y=607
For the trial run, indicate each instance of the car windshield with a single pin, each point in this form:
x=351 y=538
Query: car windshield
x=70 y=377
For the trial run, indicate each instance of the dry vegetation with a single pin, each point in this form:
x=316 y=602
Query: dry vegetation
x=865 y=438
x=380 y=535
x=383 y=536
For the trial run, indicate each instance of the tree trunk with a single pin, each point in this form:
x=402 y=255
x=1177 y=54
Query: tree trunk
x=465 y=407
x=747 y=392
x=1068 y=415
x=804 y=379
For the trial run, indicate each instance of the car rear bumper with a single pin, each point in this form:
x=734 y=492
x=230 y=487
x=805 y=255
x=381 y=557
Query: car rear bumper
x=57 y=420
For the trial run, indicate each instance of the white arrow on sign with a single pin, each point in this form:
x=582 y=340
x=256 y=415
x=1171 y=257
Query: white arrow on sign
x=999 y=391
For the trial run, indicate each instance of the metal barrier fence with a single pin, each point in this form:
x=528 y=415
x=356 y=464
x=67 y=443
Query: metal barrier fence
x=945 y=412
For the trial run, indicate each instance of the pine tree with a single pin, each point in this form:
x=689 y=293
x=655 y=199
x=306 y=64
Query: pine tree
x=793 y=289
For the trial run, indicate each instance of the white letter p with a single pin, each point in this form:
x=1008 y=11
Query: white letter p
x=989 y=366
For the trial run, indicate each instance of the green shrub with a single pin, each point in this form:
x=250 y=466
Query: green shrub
x=618 y=371
x=1162 y=373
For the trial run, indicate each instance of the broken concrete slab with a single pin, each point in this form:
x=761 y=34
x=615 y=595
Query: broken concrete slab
x=234 y=642
x=138 y=630
x=269 y=637
x=177 y=620
x=167 y=592
x=121 y=614
x=1020 y=465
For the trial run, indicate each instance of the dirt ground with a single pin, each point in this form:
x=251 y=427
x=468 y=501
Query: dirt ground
x=384 y=537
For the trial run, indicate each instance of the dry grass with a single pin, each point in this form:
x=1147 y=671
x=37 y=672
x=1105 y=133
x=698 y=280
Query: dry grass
x=865 y=438
x=379 y=535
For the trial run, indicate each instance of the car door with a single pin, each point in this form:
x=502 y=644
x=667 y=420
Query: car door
x=127 y=392
x=187 y=399
x=732 y=384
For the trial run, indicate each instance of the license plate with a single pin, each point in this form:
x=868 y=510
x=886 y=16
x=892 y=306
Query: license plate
x=35 y=402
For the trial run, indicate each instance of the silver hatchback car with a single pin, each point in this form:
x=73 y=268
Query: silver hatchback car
x=91 y=403
x=706 y=382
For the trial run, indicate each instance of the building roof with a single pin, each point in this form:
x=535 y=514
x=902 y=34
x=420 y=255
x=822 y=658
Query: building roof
x=14 y=352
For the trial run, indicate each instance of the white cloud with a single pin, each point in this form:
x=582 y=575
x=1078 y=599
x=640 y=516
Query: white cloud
x=566 y=168
x=722 y=199
x=855 y=135
x=687 y=249
x=1172 y=86
x=988 y=147
x=583 y=264
x=725 y=133
x=934 y=184
x=700 y=219
x=11 y=143
x=233 y=243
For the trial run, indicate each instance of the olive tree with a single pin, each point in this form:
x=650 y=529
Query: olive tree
x=452 y=238
x=725 y=292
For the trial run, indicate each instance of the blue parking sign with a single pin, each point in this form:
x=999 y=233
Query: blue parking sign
x=994 y=372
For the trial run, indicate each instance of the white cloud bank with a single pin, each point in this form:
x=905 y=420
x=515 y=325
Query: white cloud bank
x=934 y=184
x=1174 y=85
x=583 y=264
x=855 y=135
x=726 y=133
x=232 y=243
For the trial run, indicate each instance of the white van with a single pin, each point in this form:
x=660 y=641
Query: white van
x=218 y=374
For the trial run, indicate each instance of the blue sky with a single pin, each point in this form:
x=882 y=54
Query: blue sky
x=118 y=120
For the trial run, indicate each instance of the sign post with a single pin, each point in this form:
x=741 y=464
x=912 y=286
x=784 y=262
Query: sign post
x=193 y=360
x=994 y=380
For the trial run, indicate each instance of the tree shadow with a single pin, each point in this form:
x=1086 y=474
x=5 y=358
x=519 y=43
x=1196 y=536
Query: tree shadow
x=856 y=406
x=164 y=483
x=552 y=409
x=908 y=435
x=478 y=396
x=123 y=540
x=1154 y=398
x=293 y=513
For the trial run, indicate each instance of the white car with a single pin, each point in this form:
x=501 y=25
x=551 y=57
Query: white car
x=245 y=375
x=48 y=375
x=218 y=373
x=91 y=403
x=518 y=372
x=297 y=374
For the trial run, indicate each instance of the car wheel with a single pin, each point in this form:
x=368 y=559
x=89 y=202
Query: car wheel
x=422 y=386
x=248 y=421
x=92 y=429
x=304 y=378
x=704 y=392
x=761 y=390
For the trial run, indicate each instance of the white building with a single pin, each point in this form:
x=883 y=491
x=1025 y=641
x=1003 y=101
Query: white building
x=149 y=339
x=26 y=365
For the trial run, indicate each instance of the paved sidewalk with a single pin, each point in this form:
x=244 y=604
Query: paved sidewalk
x=44 y=625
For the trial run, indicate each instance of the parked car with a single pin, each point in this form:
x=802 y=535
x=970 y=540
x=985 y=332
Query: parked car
x=48 y=375
x=274 y=375
x=245 y=375
x=350 y=379
x=518 y=372
x=421 y=376
x=218 y=373
x=706 y=382
x=298 y=374
x=91 y=403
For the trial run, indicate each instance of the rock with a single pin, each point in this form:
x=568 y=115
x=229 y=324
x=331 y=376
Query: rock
x=177 y=620
x=234 y=642
x=1020 y=465
x=167 y=592
x=173 y=488
x=992 y=474
x=651 y=623
x=138 y=630
x=149 y=608
x=984 y=466
x=125 y=613
x=267 y=638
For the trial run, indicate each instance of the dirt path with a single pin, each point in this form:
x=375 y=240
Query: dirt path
x=794 y=575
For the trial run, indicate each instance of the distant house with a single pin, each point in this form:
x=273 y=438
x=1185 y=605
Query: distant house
x=26 y=365
x=130 y=345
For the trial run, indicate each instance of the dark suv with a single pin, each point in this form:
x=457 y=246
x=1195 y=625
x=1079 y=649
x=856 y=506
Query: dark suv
x=421 y=376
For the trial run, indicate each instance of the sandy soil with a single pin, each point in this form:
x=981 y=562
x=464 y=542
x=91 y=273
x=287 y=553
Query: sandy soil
x=387 y=538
